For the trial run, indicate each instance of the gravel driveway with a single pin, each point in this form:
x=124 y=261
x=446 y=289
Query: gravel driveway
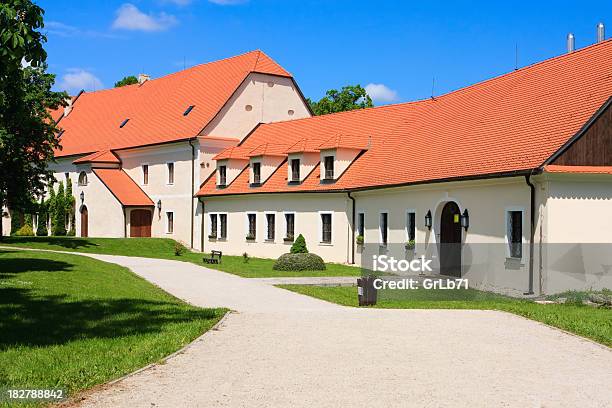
x=281 y=349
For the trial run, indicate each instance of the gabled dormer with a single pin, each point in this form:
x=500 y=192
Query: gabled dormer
x=230 y=164
x=263 y=162
x=302 y=158
x=337 y=153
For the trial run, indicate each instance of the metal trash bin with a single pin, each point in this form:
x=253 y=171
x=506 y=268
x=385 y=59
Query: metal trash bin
x=366 y=292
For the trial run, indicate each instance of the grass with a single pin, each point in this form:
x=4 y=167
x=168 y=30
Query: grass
x=164 y=248
x=72 y=322
x=593 y=323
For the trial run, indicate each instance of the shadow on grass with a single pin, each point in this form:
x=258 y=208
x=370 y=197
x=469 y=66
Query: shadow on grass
x=65 y=242
x=28 y=320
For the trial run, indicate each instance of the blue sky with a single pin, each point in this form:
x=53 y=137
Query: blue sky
x=396 y=47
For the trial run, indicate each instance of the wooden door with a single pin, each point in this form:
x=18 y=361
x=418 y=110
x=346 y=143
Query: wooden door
x=450 y=240
x=140 y=223
x=84 y=222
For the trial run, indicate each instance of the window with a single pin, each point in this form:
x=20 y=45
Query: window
x=515 y=233
x=252 y=225
x=223 y=225
x=169 y=222
x=326 y=228
x=124 y=123
x=290 y=225
x=145 y=174
x=256 y=173
x=384 y=231
x=328 y=162
x=82 y=178
x=222 y=175
x=66 y=176
x=361 y=224
x=213 y=226
x=295 y=169
x=410 y=226
x=188 y=110
x=271 y=224
x=170 y=173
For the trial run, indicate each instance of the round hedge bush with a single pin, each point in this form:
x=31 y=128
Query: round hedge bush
x=299 y=262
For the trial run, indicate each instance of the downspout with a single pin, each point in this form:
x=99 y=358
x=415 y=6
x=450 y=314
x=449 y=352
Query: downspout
x=124 y=223
x=352 y=228
x=532 y=202
x=192 y=182
x=202 y=226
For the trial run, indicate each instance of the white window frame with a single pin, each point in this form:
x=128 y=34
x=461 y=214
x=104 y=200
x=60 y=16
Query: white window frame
x=79 y=179
x=380 y=231
x=166 y=212
x=252 y=171
x=507 y=212
x=168 y=163
x=266 y=213
x=142 y=178
x=285 y=223
x=357 y=226
x=218 y=173
x=411 y=211
x=291 y=179
x=331 y=154
x=320 y=213
x=218 y=231
x=210 y=225
x=246 y=223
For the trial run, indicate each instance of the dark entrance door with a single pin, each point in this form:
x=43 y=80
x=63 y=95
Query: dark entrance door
x=84 y=222
x=450 y=240
x=140 y=223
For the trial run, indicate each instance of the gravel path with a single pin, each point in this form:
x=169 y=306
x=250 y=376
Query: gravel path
x=281 y=349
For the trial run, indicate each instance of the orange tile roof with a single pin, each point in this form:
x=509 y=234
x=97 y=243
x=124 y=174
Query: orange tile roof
x=123 y=188
x=268 y=149
x=511 y=123
x=103 y=156
x=554 y=168
x=155 y=109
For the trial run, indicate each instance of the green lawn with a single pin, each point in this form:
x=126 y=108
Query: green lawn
x=164 y=248
x=72 y=322
x=594 y=323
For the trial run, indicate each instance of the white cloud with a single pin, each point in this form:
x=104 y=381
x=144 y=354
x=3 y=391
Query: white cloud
x=64 y=30
x=381 y=93
x=130 y=18
x=76 y=79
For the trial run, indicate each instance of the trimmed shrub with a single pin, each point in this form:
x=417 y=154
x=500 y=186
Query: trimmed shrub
x=59 y=212
x=299 y=262
x=178 y=249
x=25 y=231
x=299 y=246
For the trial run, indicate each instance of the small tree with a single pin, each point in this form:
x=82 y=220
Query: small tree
x=126 y=80
x=50 y=206
x=299 y=246
x=70 y=209
x=59 y=212
x=16 y=221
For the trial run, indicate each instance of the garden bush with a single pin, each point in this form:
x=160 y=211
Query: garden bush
x=25 y=231
x=299 y=262
x=299 y=246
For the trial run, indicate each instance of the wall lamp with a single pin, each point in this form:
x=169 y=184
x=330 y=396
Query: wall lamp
x=428 y=219
x=82 y=197
x=465 y=219
x=158 y=205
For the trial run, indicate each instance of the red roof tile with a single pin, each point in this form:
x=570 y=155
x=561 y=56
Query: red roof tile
x=155 y=109
x=508 y=124
x=553 y=168
x=123 y=187
x=103 y=156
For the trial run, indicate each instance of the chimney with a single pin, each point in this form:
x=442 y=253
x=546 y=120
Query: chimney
x=68 y=107
x=570 y=43
x=142 y=78
x=601 y=32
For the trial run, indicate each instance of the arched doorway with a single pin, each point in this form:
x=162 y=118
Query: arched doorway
x=140 y=223
x=84 y=222
x=450 y=240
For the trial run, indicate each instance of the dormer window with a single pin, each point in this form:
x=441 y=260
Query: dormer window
x=328 y=162
x=256 y=173
x=295 y=170
x=222 y=175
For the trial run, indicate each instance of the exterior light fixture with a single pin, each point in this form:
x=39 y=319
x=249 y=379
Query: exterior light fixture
x=82 y=197
x=465 y=219
x=428 y=219
x=159 y=205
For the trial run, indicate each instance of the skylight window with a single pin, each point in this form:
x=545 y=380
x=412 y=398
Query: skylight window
x=189 y=109
x=60 y=133
x=124 y=123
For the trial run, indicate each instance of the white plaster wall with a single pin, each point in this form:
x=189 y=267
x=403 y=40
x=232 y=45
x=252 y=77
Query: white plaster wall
x=308 y=161
x=342 y=160
x=484 y=256
x=233 y=168
x=174 y=197
x=306 y=207
x=270 y=98
x=269 y=164
x=577 y=233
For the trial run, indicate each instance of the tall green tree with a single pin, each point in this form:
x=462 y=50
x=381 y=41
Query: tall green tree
x=69 y=203
x=28 y=135
x=59 y=212
x=348 y=98
x=126 y=80
x=43 y=218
